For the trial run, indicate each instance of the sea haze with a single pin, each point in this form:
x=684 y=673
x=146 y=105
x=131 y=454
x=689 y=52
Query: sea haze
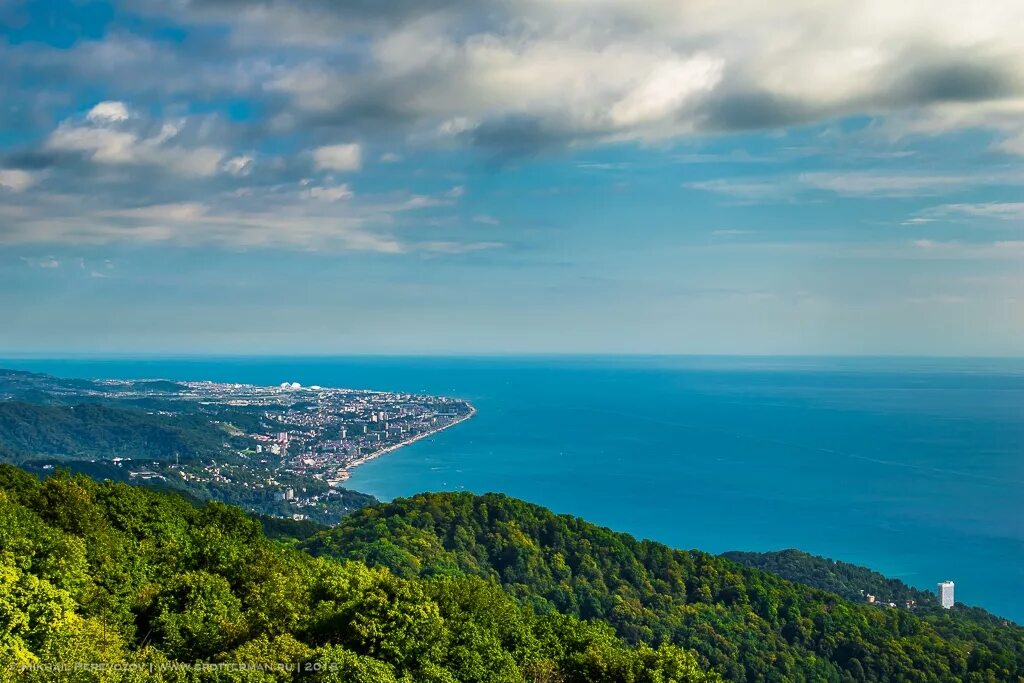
x=912 y=467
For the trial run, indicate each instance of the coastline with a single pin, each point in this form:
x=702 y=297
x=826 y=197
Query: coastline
x=346 y=471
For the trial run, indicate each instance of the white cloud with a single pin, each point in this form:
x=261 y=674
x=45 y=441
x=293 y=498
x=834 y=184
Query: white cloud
x=45 y=262
x=742 y=188
x=239 y=166
x=955 y=249
x=16 y=180
x=346 y=157
x=330 y=193
x=444 y=247
x=861 y=184
x=577 y=72
x=1014 y=144
x=1003 y=211
x=315 y=216
x=194 y=224
x=668 y=87
x=485 y=219
x=875 y=184
x=108 y=112
x=103 y=144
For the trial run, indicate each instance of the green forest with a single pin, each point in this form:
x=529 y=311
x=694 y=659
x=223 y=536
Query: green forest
x=143 y=581
x=439 y=587
x=747 y=624
x=84 y=437
x=93 y=430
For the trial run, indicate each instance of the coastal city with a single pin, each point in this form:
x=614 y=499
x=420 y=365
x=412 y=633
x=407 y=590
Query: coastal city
x=324 y=433
x=284 y=450
x=309 y=440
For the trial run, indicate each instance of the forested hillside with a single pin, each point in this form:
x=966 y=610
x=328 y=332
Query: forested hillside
x=748 y=624
x=845 y=579
x=86 y=437
x=142 y=581
x=854 y=583
x=100 y=431
x=440 y=587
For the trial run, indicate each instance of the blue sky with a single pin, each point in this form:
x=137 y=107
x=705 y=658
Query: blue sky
x=591 y=176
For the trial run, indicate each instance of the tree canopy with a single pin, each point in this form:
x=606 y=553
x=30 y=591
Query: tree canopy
x=747 y=624
x=109 y=582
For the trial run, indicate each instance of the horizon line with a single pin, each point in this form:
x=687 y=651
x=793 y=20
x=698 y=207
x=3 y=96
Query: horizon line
x=200 y=355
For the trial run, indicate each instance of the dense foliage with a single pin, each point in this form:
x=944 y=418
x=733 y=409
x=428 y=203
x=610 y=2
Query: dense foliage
x=95 y=573
x=85 y=437
x=95 y=430
x=848 y=580
x=853 y=582
x=748 y=624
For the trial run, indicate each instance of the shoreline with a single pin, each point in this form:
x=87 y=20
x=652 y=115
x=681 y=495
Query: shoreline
x=346 y=471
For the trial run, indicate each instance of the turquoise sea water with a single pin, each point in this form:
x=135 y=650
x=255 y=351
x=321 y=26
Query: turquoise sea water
x=912 y=467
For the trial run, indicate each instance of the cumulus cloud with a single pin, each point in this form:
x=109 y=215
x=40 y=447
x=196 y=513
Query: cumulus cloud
x=346 y=157
x=108 y=112
x=15 y=180
x=557 y=73
x=102 y=139
x=297 y=84
x=240 y=165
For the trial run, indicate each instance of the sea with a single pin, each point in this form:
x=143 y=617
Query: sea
x=913 y=467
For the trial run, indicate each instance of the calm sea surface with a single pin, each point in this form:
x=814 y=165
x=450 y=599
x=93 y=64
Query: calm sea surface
x=912 y=467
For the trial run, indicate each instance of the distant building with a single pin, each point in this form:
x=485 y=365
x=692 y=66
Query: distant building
x=946 y=594
x=289 y=494
x=871 y=599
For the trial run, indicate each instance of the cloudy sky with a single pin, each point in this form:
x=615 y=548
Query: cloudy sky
x=425 y=176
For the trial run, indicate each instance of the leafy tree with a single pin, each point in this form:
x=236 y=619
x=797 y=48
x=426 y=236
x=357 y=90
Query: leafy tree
x=747 y=624
x=117 y=583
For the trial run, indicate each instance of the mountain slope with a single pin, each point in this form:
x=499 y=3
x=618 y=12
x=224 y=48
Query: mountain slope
x=748 y=624
x=100 y=431
x=144 y=582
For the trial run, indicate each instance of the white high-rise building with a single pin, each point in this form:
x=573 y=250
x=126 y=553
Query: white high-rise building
x=946 y=594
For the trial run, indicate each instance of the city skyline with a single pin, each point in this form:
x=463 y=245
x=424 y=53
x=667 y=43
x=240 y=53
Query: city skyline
x=235 y=177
